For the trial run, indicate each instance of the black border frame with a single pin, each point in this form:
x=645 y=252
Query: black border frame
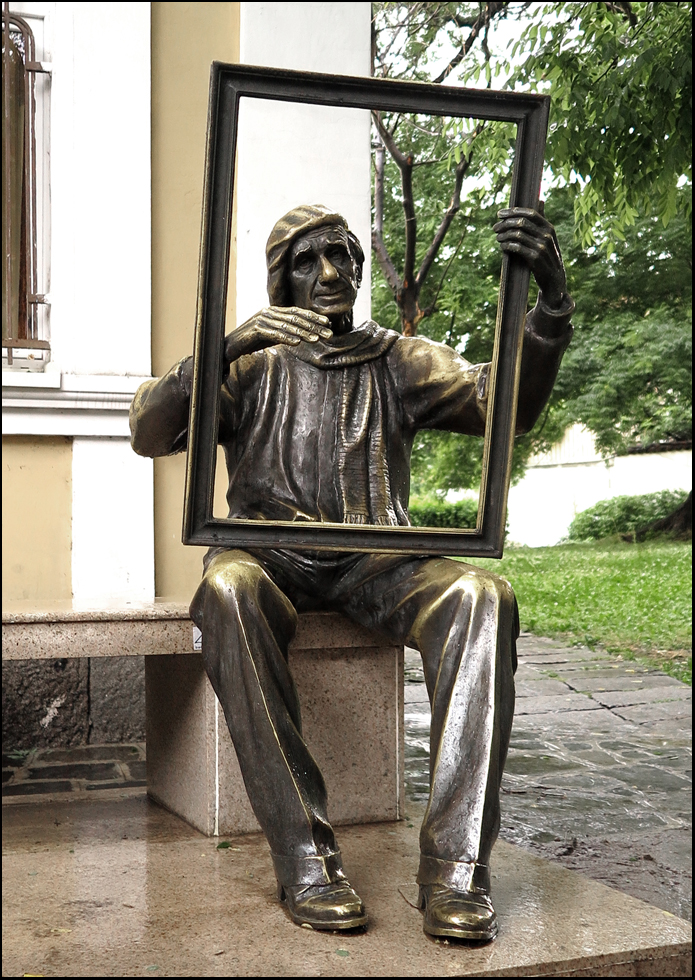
x=228 y=83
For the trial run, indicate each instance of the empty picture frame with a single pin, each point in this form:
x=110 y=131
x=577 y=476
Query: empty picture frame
x=228 y=85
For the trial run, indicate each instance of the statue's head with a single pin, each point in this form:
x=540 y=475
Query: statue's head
x=315 y=262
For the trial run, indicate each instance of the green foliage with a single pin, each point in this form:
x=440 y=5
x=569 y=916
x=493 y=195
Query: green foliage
x=635 y=600
x=621 y=123
x=620 y=80
x=627 y=375
x=622 y=514
x=619 y=148
x=432 y=512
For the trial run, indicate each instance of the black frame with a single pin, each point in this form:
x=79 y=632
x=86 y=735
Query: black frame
x=228 y=83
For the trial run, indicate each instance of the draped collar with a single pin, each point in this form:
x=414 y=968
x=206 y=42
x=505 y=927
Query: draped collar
x=362 y=344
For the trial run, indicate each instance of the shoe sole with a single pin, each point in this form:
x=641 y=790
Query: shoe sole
x=469 y=935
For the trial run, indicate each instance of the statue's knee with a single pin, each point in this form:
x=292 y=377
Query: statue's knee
x=230 y=581
x=484 y=586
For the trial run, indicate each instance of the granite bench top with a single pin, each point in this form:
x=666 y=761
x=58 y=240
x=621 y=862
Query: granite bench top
x=35 y=631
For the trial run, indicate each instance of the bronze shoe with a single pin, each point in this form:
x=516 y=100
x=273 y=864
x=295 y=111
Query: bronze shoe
x=457 y=915
x=333 y=906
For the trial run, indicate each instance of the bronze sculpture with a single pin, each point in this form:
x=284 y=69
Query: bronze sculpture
x=317 y=420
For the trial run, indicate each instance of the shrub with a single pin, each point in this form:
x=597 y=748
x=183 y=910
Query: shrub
x=439 y=513
x=622 y=514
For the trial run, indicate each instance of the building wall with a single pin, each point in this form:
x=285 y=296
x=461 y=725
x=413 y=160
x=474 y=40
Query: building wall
x=573 y=476
x=291 y=154
x=97 y=159
x=36 y=507
x=186 y=39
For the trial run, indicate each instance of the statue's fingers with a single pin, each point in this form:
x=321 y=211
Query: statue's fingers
x=298 y=321
x=521 y=236
x=281 y=328
x=519 y=212
x=317 y=318
x=530 y=255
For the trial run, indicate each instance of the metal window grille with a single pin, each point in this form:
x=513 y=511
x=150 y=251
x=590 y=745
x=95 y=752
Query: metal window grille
x=20 y=298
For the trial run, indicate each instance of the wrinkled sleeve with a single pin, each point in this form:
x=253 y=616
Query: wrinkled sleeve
x=439 y=389
x=159 y=411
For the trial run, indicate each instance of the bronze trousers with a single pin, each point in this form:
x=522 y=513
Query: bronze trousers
x=464 y=622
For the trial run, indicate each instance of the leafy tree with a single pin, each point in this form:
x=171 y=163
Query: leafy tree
x=619 y=165
x=619 y=75
x=627 y=374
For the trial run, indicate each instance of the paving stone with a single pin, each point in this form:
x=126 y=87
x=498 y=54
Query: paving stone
x=34 y=788
x=649 y=695
x=84 y=753
x=589 y=680
x=138 y=770
x=416 y=693
x=540 y=688
x=650 y=778
x=77 y=770
x=570 y=701
x=671 y=711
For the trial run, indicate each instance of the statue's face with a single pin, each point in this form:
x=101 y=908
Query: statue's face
x=322 y=275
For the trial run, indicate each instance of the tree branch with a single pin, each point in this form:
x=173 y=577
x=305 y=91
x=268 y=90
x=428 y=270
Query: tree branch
x=378 y=245
x=389 y=141
x=491 y=10
x=429 y=310
x=405 y=165
x=462 y=169
x=624 y=9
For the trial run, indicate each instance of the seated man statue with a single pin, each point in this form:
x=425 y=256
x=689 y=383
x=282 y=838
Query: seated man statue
x=317 y=422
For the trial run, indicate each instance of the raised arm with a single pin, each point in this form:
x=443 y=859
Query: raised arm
x=159 y=411
x=529 y=235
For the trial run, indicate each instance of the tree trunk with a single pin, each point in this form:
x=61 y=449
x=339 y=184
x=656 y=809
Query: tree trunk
x=677 y=525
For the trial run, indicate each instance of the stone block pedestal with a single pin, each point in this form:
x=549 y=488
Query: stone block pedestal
x=351 y=693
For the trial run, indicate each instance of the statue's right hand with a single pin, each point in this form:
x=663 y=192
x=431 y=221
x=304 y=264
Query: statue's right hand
x=276 y=325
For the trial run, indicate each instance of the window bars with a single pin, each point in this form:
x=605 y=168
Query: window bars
x=20 y=321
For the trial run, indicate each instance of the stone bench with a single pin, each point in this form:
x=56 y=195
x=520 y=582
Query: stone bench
x=350 y=685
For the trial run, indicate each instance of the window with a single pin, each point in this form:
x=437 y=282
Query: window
x=24 y=306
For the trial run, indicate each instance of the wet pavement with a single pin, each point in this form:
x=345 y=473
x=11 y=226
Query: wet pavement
x=599 y=773
x=598 y=776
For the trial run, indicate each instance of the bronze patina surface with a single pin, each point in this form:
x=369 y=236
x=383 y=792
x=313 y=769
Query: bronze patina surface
x=317 y=420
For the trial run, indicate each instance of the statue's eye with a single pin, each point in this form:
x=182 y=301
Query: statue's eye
x=338 y=255
x=303 y=262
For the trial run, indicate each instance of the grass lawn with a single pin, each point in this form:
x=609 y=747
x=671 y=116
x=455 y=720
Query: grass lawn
x=633 y=600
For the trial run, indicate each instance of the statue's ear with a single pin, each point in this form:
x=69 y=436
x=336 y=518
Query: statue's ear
x=358 y=256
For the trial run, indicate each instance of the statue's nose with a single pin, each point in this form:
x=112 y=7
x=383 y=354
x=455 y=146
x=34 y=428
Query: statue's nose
x=328 y=270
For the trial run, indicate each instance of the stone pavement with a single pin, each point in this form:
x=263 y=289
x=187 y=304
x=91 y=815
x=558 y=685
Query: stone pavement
x=598 y=776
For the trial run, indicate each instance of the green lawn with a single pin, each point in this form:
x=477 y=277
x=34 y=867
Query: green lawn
x=635 y=600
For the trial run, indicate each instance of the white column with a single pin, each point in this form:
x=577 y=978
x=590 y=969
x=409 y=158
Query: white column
x=112 y=523
x=291 y=154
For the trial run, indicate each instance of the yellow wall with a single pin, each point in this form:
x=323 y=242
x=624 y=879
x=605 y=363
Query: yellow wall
x=36 y=518
x=186 y=39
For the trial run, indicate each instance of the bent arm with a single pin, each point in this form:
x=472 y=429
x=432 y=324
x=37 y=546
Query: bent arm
x=159 y=412
x=441 y=390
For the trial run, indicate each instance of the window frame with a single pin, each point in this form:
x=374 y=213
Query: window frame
x=34 y=194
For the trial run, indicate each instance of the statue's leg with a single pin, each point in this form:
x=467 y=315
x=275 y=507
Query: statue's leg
x=247 y=624
x=464 y=621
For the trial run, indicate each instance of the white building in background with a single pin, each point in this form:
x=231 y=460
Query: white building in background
x=573 y=476
x=122 y=92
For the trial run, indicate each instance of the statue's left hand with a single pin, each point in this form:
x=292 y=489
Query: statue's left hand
x=528 y=234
